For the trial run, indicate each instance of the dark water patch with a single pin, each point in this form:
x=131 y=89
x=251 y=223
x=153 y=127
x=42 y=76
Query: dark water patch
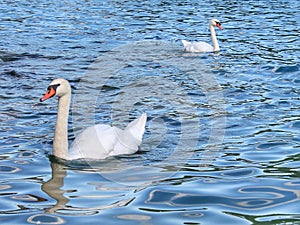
x=270 y=145
x=287 y=69
x=8 y=169
x=10 y=57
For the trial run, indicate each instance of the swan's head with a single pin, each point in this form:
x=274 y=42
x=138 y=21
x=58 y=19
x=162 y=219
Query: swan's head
x=58 y=87
x=217 y=23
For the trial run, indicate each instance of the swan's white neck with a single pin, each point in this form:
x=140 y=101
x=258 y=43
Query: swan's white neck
x=214 y=38
x=60 y=143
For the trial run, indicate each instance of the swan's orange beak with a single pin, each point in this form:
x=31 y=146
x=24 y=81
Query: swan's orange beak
x=49 y=94
x=219 y=26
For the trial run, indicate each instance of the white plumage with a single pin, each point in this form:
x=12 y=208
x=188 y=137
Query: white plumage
x=203 y=46
x=95 y=142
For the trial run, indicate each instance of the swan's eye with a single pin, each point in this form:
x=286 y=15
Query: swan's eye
x=218 y=23
x=54 y=86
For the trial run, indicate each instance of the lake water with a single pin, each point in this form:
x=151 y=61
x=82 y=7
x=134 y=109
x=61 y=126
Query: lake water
x=223 y=131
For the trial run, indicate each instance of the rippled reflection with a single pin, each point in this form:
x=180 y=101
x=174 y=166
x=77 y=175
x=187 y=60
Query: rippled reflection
x=255 y=198
x=55 y=189
x=45 y=219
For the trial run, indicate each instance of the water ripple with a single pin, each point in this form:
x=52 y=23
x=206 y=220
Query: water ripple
x=254 y=179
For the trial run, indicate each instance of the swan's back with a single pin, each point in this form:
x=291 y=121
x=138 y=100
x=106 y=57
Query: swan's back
x=101 y=141
x=197 y=46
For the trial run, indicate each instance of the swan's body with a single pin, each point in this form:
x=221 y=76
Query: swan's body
x=203 y=46
x=197 y=46
x=95 y=142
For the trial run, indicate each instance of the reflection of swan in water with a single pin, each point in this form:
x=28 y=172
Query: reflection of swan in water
x=54 y=188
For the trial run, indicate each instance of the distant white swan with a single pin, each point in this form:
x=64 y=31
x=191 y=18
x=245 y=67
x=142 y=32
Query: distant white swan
x=96 y=142
x=203 y=46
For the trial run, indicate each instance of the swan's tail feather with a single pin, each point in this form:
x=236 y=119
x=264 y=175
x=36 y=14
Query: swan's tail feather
x=185 y=43
x=137 y=127
x=129 y=139
x=139 y=123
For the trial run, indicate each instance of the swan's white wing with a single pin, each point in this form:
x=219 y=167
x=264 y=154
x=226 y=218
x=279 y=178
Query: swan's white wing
x=197 y=46
x=101 y=141
x=95 y=142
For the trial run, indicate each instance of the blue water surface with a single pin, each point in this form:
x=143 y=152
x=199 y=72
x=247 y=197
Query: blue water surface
x=222 y=139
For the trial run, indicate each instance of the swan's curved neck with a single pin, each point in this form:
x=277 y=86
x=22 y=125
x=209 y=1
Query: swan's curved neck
x=214 y=38
x=60 y=143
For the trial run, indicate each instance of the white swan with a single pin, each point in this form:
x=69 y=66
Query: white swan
x=203 y=46
x=96 y=142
